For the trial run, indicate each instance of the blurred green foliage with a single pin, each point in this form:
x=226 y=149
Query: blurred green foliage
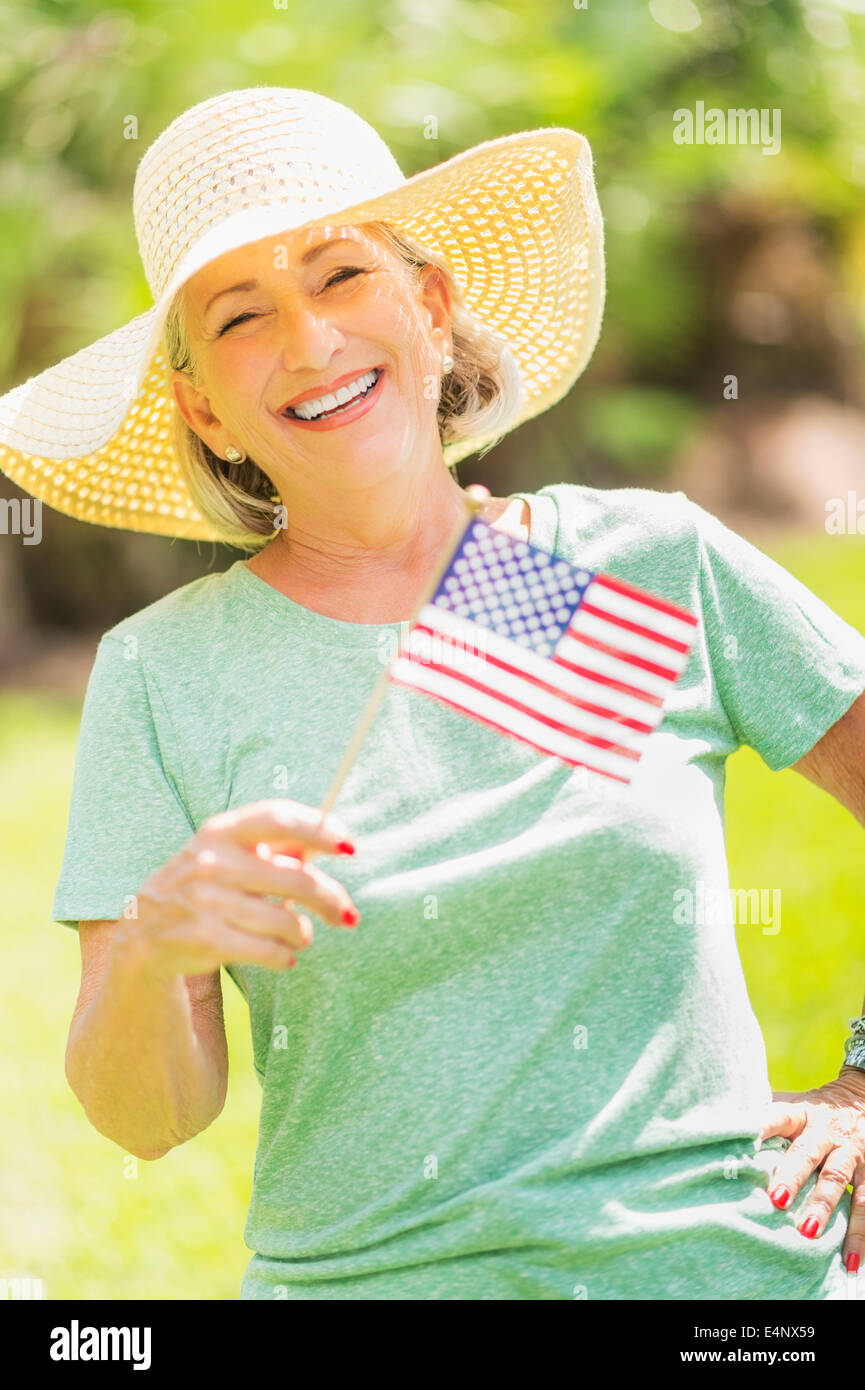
x=637 y=427
x=87 y=87
x=73 y=74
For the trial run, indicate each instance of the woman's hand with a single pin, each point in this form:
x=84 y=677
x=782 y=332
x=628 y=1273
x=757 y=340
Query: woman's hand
x=826 y=1125
x=206 y=906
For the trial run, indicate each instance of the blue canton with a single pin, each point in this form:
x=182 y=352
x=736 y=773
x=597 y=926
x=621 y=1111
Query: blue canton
x=513 y=588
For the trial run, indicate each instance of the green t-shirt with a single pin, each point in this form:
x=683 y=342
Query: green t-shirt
x=533 y=1071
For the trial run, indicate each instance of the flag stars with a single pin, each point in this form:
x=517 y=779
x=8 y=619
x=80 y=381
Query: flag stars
x=512 y=588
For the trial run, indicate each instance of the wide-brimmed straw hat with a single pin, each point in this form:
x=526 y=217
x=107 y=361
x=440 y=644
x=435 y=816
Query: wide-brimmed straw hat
x=517 y=219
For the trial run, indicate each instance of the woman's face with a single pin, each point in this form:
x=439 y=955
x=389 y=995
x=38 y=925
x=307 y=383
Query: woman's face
x=303 y=315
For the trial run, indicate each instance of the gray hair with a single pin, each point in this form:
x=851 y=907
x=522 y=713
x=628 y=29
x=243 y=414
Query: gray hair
x=481 y=396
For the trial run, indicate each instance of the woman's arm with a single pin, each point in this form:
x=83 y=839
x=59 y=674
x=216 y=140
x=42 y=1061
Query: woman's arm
x=147 y=1055
x=837 y=764
x=837 y=761
x=150 y=1069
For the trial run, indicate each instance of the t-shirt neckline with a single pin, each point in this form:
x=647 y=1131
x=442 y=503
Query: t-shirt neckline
x=318 y=626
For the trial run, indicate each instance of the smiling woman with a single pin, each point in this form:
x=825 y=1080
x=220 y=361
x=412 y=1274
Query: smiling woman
x=517 y=1072
x=479 y=396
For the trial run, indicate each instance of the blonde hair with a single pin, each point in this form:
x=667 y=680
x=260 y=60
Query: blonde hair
x=482 y=395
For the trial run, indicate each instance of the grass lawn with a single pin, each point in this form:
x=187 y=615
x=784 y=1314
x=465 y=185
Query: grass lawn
x=92 y=1223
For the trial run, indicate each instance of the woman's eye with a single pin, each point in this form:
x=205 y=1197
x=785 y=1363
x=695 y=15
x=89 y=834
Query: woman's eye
x=231 y=322
x=346 y=270
x=342 y=273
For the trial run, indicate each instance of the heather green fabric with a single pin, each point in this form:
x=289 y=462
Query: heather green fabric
x=533 y=1071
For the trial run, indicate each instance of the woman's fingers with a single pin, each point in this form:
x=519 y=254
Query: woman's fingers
x=280 y=823
x=207 y=905
x=225 y=942
x=785 y=1115
x=810 y=1145
x=252 y=914
x=227 y=864
x=827 y=1138
x=854 y=1243
x=831 y=1184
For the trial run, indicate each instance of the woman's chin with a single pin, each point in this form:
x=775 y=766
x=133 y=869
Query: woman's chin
x=376 y=446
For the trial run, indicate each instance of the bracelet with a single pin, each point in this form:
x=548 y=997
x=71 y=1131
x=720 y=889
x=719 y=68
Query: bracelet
x=854 y=1046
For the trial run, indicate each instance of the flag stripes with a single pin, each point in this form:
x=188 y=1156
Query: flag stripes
x=576 y=664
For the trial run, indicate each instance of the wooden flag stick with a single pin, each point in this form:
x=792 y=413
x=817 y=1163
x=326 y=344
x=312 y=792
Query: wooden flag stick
x=473 y=505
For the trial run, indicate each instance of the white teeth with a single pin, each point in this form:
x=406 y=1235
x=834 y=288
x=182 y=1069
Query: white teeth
x=310 y=409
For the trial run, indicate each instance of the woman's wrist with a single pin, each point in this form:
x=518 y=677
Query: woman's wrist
x=133 y=956
x=854 y=1078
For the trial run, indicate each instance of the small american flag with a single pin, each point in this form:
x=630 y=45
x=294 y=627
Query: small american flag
x=576 y=663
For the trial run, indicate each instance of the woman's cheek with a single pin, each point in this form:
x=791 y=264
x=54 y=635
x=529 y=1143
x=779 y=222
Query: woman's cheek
x=248 y=363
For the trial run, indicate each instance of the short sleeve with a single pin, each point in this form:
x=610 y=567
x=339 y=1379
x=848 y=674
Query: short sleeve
x=786 y=666
x=126 y=813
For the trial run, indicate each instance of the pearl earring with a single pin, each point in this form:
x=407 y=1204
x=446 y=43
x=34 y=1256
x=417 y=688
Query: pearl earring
x=234 y=455
x=447 y=363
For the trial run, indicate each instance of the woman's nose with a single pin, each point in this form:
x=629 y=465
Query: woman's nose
x=308 y=338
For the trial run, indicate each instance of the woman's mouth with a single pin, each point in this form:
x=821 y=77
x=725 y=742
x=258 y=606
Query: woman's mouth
x=329 y=411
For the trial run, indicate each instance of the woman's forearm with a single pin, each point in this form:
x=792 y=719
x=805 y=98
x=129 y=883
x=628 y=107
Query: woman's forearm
x=145 y=1078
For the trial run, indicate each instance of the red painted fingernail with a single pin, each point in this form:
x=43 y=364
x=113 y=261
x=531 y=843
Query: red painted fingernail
x=809 y=1227
x=780 y=1195
x=344 y=847
x=351 y=916
x=852 y=1262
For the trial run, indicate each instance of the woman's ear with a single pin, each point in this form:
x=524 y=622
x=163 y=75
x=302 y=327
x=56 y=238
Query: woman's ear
x=194 y=406
x=436 y=297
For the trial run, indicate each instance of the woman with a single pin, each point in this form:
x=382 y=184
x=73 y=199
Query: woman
x=525 y=1072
